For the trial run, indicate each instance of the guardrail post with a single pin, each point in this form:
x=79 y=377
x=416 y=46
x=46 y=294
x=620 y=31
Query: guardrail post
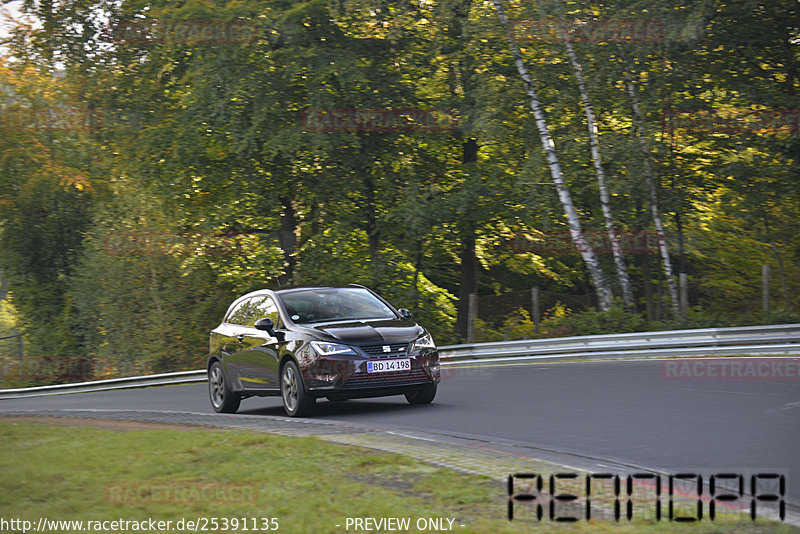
x=535 y=312
x=683 y=280
x=21 y=351
x=765 y=290
x=18 y=336
x=472 y=313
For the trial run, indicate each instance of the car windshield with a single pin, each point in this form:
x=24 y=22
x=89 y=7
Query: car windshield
x=320 y=305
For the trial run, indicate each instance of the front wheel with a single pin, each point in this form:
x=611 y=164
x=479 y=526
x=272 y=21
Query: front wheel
x=222 y=399
x=296 y=401
x=423 y=395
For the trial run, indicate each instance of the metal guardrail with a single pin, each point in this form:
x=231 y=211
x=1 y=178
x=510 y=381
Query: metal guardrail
x=182 y=377
x=771 y=339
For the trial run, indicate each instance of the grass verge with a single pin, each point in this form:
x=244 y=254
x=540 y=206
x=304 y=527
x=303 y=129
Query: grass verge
x=138 y=471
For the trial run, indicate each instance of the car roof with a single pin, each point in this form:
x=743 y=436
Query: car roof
x=266 y=291
x=293 y=289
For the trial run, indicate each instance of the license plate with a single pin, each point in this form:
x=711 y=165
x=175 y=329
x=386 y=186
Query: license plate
x=387 y=366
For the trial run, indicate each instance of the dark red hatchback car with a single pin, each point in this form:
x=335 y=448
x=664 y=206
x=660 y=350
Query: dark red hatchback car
x=305 y=343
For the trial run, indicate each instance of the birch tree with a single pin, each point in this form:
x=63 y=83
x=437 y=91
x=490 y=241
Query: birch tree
x=594 y=144
x=650 y=181
x=587 y=252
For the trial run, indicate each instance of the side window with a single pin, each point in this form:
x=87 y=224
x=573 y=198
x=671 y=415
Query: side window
x=265 y=307
x=242 y=314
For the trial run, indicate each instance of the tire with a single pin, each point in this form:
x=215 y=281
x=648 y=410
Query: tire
x=223 y=400
x=423 y=395
x=296 y=400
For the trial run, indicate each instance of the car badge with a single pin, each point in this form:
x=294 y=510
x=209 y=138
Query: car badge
x=387 y=348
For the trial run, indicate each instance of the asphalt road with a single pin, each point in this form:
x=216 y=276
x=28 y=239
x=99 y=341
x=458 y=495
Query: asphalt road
x=592 y=414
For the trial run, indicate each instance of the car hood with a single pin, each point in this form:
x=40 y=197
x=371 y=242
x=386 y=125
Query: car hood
x=384 y=331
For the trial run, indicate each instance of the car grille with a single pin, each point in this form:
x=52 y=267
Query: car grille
x=382 y=380
x=376 y=351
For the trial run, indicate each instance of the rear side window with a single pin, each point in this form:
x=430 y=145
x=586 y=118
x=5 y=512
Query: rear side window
x=265 y=307
x=243 y=313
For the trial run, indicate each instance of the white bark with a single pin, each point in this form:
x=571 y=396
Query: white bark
x=586 y=251
x=649 y=176
x=616 y=249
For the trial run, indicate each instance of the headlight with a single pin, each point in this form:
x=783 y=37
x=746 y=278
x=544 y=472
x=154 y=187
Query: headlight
x=329 y=349
x=425 y=342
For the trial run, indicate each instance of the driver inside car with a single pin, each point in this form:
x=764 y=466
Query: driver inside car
x=334 y=309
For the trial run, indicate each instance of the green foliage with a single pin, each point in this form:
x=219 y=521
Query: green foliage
x=431 y=305
x=210 y=139
x=148 y=308
x=7 y=316
x=517 y=325
x=615 y=321
x=561 y=322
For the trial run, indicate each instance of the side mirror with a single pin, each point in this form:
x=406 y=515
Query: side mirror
x=266 y=325
x=404 y=313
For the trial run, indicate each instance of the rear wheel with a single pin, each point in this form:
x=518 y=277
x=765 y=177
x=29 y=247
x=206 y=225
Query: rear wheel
x=423 y=395
x=222 y=399
x=296 y=400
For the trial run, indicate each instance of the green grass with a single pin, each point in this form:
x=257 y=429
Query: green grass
x=71 y=472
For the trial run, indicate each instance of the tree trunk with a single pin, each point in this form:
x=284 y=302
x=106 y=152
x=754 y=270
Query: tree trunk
x=469 y=280
x=586 y=251
x=417 y=269
x=649 y=176
x=371 y=222
x=648 y=287
x=681 y=243
x=288 y=237
x=781 y=271
x=616 y=249
x=468 y=283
